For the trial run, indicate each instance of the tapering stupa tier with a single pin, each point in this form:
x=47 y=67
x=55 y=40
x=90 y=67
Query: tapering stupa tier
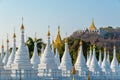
x=66 y=63
x=80 y=62
x=114 y=64
x=100 y=59
x=5 y=60
x=94 y=67
x=22 y=60
x=47 y=59
x=105 y=66
x=12 y=55
x=2 y=53
x=35 y=60
x=57 y=58
x=90 y=57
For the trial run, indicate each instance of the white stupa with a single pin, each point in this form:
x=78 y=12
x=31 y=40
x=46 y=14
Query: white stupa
x=108 y=59
x=35 y=60
x=22 y=60
x=5 y=60
x=105 y=66
x=42 y=50
x=94 y=67
x=47 y=59
x=53 y=47
x=66 y=62
x=100 y=59
x=80 y=64
x=12 y=55
x=90 y=57
x=2 y=52
x=57 y=58
x=114 y=64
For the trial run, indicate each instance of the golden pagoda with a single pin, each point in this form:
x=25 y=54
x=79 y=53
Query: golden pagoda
x=58 y=39
x=92 y=27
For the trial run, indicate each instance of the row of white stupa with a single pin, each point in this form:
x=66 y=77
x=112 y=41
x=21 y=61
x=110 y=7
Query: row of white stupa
x=49 y=66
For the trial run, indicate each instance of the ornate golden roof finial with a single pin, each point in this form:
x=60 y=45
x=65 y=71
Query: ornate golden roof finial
x=66 y=39
x=92 y=27
x=2 y=44
x=48 y=34
x=80 y=42
x=59 y=29
x=14 y=35
x=105 y=48
x=90 y=46
x=93 y=46
x=73 y=71
x=7 y=38
x=35 y=39
x=100 y=50
x=22 y=26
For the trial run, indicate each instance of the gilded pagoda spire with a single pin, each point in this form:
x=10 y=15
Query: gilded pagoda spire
x=14 y=35
x=92 y=27
x=48 y=34
x=22 y=26
x=2 y=44
x=58 y=38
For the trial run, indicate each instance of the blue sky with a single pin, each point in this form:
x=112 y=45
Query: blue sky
x=71 y=15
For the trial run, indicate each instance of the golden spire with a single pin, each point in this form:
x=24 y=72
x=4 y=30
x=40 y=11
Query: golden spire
x=59 y=29
x=100 y=50
x=92 y=27
x=35 y=39
x=48 y=34
x=7 y=38
x=14 y=35
x=93 y=46
x=2 y=44
x=105 y=48
x=80 y=42
x=73 y=71
x=22 y=26
x=90 y=47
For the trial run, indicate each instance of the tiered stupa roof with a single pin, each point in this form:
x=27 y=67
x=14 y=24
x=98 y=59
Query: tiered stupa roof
x=66 y=63
x=22 y=60
x=100 y=59
x=105 y=66
x=57 y=58
x=47 y=59
x=94 y=67
x=5 y=60
x=90 y=57
x=35 y=60
x=114 y=64
x=80 y=62
x=2 y=53
x=12 y=55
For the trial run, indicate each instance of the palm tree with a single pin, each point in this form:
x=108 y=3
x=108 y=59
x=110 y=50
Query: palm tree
x=30 y=44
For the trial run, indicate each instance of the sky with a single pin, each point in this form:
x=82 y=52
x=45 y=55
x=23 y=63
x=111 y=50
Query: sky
x=71 y=15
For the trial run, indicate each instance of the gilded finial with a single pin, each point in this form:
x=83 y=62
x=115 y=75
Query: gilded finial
x=93 y=46
x=73 y=70
x=14 y=35
x=80 y=42
x=114 y=46
x=2 y=44
x=22 y=26
x=7 y=38
x=59 y=29
x=35 y=39
x=90 y=47
x=48 y=34
x=105 y=49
